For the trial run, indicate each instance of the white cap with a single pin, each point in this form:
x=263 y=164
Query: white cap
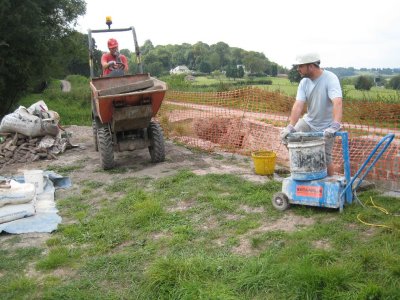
x=307 y=58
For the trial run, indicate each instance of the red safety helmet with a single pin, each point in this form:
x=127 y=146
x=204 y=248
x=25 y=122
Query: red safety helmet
x=112 y=43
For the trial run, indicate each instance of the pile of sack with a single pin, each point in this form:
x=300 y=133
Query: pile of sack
x=30 y=134
x=27 y=202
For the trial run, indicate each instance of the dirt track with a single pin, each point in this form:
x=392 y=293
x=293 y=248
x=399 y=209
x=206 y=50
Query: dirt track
x=137 y=163
x=85 y=165
x=85 y=162
x=65 y=86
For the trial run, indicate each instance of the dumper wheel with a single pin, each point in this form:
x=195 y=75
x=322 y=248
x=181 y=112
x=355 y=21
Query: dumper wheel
x=156 y=148
x=105 y=146
x=94 y=127
x=280 y=201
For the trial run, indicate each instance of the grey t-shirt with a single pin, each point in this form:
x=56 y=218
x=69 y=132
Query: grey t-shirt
x=318 y=95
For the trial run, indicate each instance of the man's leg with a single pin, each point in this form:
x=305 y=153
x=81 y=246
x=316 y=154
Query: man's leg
x=302 y=126
x=331 y=169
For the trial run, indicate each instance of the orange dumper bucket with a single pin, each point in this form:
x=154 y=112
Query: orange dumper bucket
x=264 y=162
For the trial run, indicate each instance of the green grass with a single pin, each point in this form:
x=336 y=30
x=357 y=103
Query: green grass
x=282 y=86
x=199 y=237
x=64 y=170
x=206 y=237
x=73 y=107
x=210 y=80
x=375 y=94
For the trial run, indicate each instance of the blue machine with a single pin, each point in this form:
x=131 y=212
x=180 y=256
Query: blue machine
x=309 y=183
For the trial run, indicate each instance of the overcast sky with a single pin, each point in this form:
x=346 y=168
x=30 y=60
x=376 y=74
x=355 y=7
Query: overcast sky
x=346 y=33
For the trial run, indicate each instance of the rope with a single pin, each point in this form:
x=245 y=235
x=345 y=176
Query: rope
x=382 y=209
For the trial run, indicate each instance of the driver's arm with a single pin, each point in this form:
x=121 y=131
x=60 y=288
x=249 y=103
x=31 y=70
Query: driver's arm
x=104 y=63
x=124 y=60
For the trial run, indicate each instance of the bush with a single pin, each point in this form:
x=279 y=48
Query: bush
x=394 y=83
x=294 y=75
x=177 y=82
x=78 y=80
x=363 y=83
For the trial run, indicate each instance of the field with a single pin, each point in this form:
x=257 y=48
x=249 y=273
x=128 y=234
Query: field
x=198 y=226
x=284 y=86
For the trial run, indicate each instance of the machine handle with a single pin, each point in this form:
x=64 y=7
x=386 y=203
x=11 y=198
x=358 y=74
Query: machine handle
x=111 y=30
x=387 y=140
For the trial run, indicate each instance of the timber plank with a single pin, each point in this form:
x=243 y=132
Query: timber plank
x=127 y=88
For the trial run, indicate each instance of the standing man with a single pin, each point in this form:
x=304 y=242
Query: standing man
x=320 y=90
x=114 y=63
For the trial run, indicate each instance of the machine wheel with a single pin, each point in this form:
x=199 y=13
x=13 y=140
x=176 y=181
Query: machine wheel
x=280 y=201
x=94 y=127
x=156 y=148
x=105 y=146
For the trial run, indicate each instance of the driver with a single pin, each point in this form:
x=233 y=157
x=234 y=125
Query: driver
x=113 y=62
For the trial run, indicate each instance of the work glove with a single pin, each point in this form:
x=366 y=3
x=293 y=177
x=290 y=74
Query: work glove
x=285 y=132
x=111 y=63
x=330 y=131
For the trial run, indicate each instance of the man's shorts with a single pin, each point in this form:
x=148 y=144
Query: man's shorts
x=302 y=126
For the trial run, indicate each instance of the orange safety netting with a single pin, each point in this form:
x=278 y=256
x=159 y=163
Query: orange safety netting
x=250 y=119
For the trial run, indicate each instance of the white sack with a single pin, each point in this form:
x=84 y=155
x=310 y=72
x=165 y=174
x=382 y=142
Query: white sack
x=23 y=122
x=18 y=193
x=37 y=107
x=14 y=212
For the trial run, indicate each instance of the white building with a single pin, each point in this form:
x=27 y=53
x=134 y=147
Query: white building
x=180 y=70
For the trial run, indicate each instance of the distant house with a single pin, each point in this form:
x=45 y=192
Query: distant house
x=180 y=70
x=244 y=68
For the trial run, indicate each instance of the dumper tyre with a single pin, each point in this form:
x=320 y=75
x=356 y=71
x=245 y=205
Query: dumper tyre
x=95 y=140
x=156 y=137
x=105 y=145
x=280 y=201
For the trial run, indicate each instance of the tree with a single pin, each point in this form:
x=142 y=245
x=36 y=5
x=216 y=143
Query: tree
x=164 y=57
x=223 y=51
x=154 y=68
x=232 y=71
x=32 y=30
x=237 y=55
x=205 y=67
x=147 y=47
x=394 y=83
x=205 y=59
x=149 y=58
x=215 y=61
x=274 y=70
x=363 y=83
x=72 y=56
x=240 y=72
x=200 y=51
x=294 y=76
x=177 y=55
x=255 y=62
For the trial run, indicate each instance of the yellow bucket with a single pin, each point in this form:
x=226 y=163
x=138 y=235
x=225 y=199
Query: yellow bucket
x=264 y=162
